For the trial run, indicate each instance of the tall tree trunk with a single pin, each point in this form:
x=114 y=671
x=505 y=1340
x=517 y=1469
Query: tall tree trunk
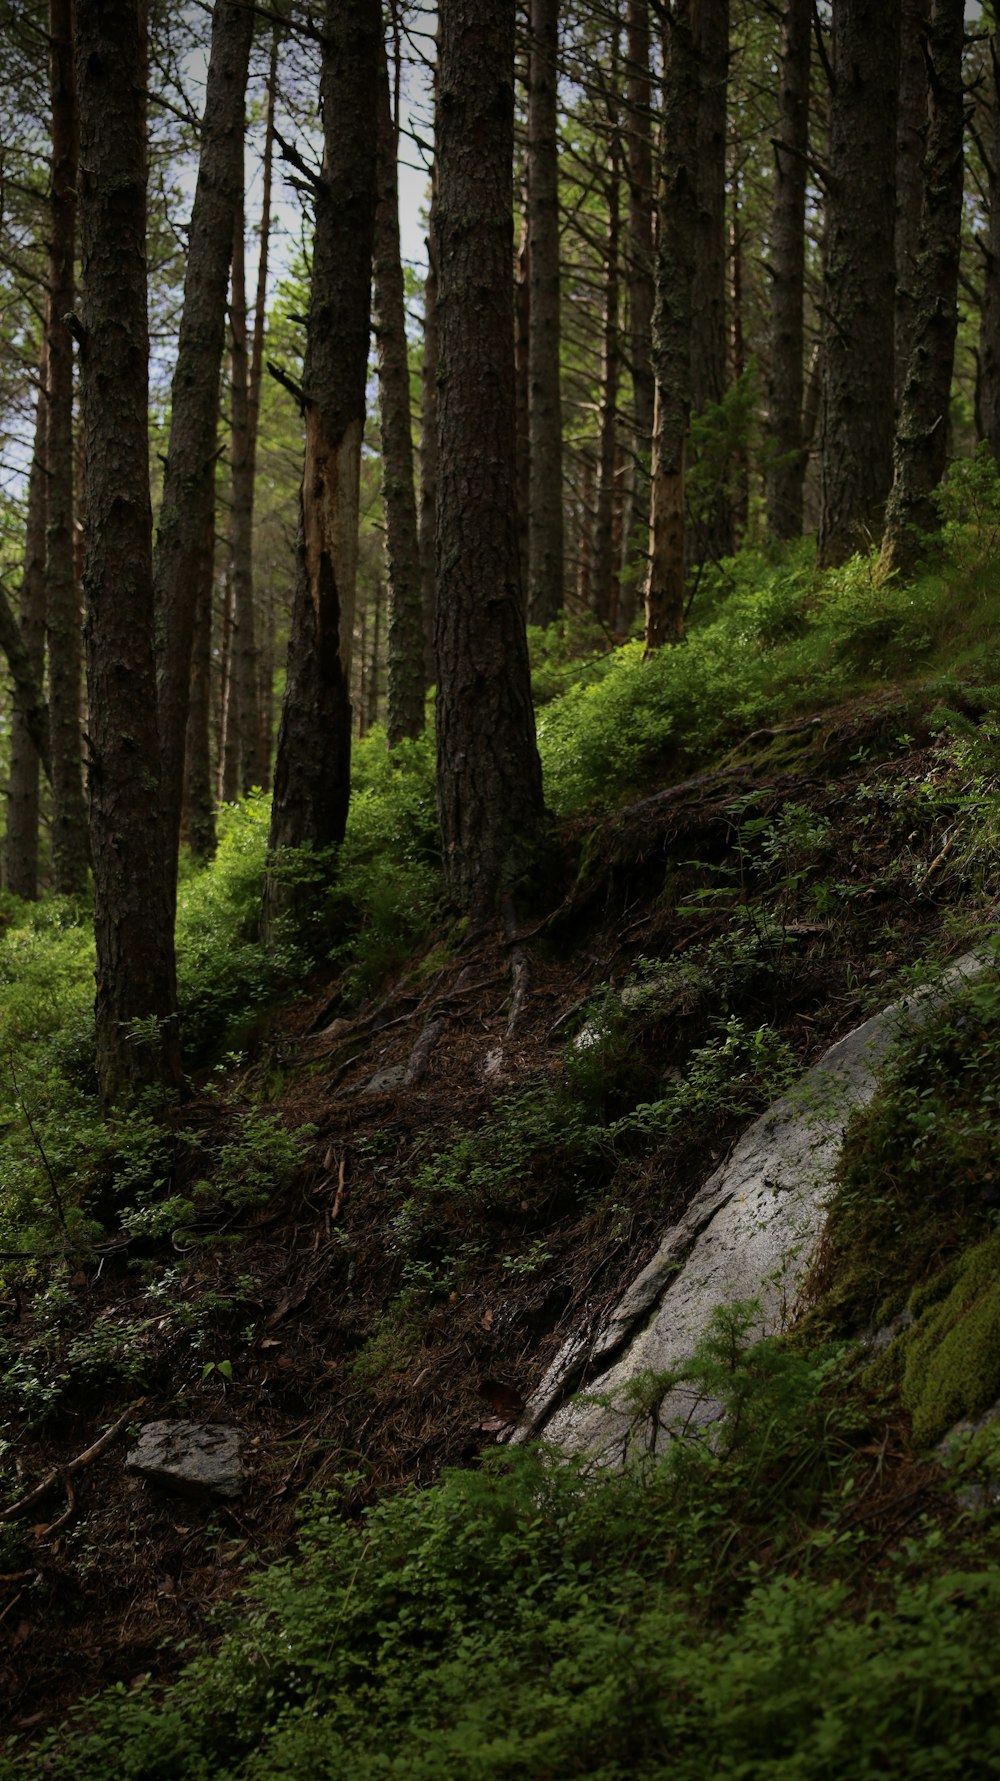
x=137 y=1041
x=188 y=480
x=675 y=262
x=988 y=382
x=712 y=535
x=199 y=798
x=243 y=707
x=373 y=676
x=911 y=139
x=488 y=773
x=522 y=382
x=312 y=771
x=639 y=280
x=739 y=503
x=21 y=841
x=585 y=533
x=428 y=447
x=786 y=461
x=265 y=628
x=605 y=578
x=545 y=511
x=921 y=448
x=859 y=281
x=63 y=618
x=406 y=640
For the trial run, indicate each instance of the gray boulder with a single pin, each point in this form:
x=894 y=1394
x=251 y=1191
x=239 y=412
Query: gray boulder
x=198 y=1459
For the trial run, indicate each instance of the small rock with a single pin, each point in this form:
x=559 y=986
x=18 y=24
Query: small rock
x=383 y=1080
x=195 y=1458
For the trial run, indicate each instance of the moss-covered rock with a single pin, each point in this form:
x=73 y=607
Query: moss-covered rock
x=951 y=1356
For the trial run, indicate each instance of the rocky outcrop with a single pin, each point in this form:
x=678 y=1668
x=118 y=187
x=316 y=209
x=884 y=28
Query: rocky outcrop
x=747 y=1235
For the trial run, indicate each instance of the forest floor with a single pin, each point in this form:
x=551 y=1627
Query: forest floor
x=389 y=1313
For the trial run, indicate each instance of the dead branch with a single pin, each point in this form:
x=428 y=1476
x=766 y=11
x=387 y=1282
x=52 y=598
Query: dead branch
x=420 y=1055
x=75 y=1465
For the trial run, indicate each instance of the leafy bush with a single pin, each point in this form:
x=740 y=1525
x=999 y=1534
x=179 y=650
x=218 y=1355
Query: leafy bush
x=688 y=1616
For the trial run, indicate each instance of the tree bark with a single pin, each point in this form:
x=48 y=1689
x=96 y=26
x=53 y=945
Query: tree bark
x=428 y=446
x=264 y=631
x=488 y=774
x=21 y=841
x=406 y=641
x=545 y=510
x=911 y=139
x=137 y=1041
x=605 y=563
x=243 y=707
x=921 y=448
x=639 y=277
x=522 y=384
x=988 y=382
x=859 y=280
x=199 y=798
x=712 y=535
x=786 y=462
x=675 y=262
x=188 y=481
x=69 y=816
x=312 y=770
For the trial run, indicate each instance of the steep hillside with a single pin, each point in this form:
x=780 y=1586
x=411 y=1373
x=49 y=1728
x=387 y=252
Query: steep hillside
x=361 y=1242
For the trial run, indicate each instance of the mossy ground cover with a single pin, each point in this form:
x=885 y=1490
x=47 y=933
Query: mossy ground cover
x=372 y=1299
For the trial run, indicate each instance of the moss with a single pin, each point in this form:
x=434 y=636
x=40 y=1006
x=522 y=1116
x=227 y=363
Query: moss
x=952 y=1354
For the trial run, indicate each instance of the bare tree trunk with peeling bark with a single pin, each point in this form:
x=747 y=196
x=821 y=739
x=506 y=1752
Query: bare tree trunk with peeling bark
x=312 y=770
x=137 y=1039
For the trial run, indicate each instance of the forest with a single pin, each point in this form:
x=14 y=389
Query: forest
x=499 y=883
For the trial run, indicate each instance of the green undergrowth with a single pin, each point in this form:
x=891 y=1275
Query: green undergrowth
x=723 y=1610
x=919 y=1177
x=771 y=637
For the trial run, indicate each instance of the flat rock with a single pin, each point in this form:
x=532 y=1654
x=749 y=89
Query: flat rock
x=195 y=1458
x=748 y=1235
x=384 y=1080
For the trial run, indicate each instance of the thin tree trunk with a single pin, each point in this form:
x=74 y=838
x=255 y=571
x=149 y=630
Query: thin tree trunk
x=859 y=282
x=312 y=771
x=675 y=263
x=371 y=699
x=522 y=405
x=639 y=260
x=739 y=498
x=921 y=448
x=265 y=639
x=712 y=532
x=988 y=381
x=406 y=641
x=428 y=447
x=488 y=773
x=188 y=481
x=911 y=139
x=545 y=510
x=199 y=799
x=243 y=707
x=137 y=1041
x=786 y=461
x=63 y=618
x=605 y=588
x=21 y=841
x=585 y=557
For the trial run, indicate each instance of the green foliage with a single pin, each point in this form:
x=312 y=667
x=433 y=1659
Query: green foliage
x=386 y=887
x=225 y=976
x=920 y=1171
x=685 y=1617
x=951 y=1358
